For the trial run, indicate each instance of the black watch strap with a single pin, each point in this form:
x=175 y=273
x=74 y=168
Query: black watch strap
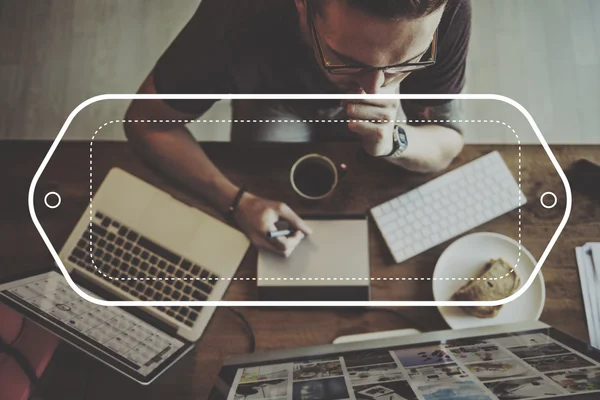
x=399 y=142
x=229 y=216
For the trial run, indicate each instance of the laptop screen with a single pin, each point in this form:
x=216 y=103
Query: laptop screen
x=111 y=334
x=540 y=364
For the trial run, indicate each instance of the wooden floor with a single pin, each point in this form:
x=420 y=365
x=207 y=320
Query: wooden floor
x=545 y=54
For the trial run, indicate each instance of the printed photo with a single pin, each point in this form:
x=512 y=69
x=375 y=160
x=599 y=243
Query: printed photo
x=436 y=373
x=495 y=370
x=523 y=340
x=557 y=363
x=399 y=390
x=261 y=390
x=316 y=370
x=528 y=388
x=466 y=390
x=265 y=373
x=579 y=380
x=321 y=389
x=370 y=357
x=490 y=352
x=414 y=357
x=539 y=350
x=371 y=374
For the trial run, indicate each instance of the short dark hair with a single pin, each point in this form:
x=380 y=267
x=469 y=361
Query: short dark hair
x=390 y=9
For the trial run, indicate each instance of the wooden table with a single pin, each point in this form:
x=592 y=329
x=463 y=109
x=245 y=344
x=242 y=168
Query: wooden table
x=264 y=170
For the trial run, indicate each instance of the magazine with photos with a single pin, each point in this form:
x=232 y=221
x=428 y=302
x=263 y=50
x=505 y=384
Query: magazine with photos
x=528 y=366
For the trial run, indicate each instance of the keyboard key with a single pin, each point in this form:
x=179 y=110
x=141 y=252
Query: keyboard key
x=133 y=236
x=170 y=269
x=107 y=257
x=158 y=296
x=213 y=279
x=98 y=230
x=153 y=260
x=140 y=286
x=167 y=290
x=184 y=298
x=178 y=285
x=149 y=291
x=153 y=271
x=124 y=266
x=82 y=244
x=161 y=275
x=179 y=273
x=119 y=252
x=158 y=285
x=78 y=253
x=203 y=286
x=198 y=295
x=186 y=265
x=204 y=275
x=115 y=262
x=106 y=222
x=184 y=311
x=120 y=241
x=145 y=255
x=162 y=264
x=196 y=270
x=155 y=248
x=110 y=237
x=193 y=316
x=99 y=215
x=102 y=243
x=122 y=231
x=144 y=266
x=116 y=224
x=135 y=261
x=110 y=247
x=136 y=250
x=176 y=295
x=187 y=289
x=128 y=246
x=127 y=257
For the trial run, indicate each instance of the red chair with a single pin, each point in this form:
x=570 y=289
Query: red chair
x=35 y=343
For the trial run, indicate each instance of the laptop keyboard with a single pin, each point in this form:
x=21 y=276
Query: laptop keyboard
x=143 y=268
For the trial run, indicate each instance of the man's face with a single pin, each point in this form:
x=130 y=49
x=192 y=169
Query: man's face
x=349 y=35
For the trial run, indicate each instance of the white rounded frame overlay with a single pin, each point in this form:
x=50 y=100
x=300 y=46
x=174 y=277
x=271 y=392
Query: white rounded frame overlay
x=387 y=303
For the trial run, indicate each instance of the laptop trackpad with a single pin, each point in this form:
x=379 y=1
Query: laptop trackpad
x=168 y=222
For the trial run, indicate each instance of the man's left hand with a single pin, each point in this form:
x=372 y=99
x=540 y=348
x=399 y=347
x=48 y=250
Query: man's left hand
x=373 y=120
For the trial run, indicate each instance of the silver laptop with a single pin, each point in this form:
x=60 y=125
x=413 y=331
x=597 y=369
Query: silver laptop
x=134 y=242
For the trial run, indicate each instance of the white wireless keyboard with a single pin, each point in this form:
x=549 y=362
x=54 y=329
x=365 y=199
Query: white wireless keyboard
x=448 y=206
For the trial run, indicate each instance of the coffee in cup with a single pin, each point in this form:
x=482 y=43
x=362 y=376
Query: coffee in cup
x=314 y=176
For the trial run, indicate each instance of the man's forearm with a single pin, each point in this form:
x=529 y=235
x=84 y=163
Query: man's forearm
x=431 y=148
x=174 y=151
x=434 y=136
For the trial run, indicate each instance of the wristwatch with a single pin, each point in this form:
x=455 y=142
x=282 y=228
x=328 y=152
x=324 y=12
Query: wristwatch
x=400 y=143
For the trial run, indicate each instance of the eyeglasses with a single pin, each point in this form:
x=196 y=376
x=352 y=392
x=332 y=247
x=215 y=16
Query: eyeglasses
x=427 y=58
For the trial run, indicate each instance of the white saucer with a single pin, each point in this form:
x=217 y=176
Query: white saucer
x=465 y=258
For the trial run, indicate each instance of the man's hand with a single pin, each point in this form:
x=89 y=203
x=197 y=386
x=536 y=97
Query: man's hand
x=376 y=137
x=257 y=216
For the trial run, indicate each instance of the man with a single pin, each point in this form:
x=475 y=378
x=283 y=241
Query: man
x=307 y=46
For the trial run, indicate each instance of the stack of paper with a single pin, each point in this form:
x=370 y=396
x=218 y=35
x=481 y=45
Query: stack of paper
x=588 y=262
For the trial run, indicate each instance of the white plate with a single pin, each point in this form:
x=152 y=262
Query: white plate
x=466 y=257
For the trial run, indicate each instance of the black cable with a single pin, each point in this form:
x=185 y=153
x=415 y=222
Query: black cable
x=19 y=334
x=248 y=328
x=24 y=364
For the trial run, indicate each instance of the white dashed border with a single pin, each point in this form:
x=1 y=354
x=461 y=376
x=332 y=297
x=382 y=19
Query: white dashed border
x=99 y=271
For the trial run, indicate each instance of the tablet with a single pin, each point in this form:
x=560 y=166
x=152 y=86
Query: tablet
x=524 y=361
